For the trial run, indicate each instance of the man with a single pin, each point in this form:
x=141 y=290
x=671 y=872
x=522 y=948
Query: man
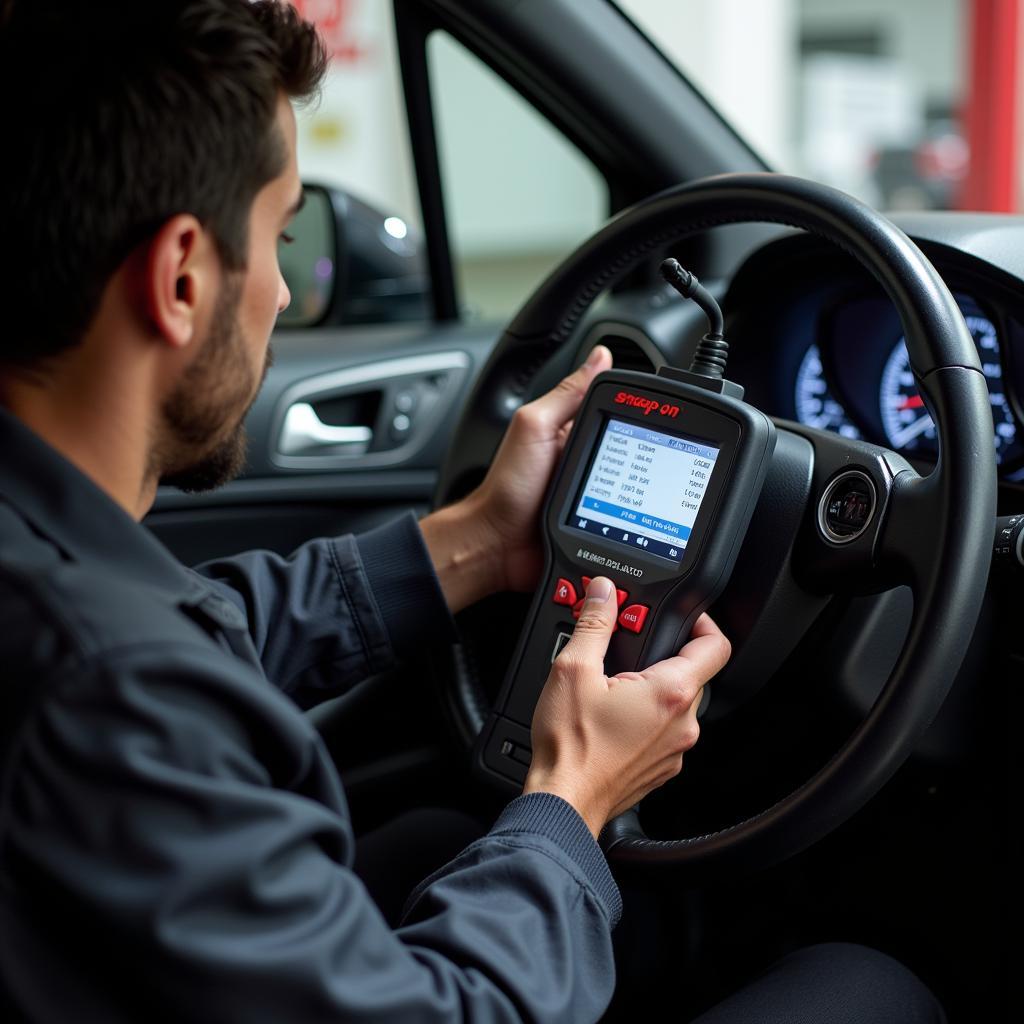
x=175 y=841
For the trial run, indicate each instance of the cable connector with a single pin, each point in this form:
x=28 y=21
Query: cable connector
x=712 y=353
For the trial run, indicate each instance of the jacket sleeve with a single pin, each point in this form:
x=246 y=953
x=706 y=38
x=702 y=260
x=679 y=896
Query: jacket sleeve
x=177 y=848
x=337 y=610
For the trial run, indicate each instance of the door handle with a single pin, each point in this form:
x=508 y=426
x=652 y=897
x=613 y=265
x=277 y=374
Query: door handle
x=303 y=430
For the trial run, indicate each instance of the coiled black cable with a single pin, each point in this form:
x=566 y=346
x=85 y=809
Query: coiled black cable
x=712 y=353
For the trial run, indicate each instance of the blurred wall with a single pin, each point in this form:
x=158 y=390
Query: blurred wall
x=741 y=54
x=928 y=37
x=356 y=135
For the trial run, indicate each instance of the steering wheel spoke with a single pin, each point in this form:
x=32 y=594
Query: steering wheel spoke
x=848 y=506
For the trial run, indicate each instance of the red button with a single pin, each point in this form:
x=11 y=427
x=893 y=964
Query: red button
x=633 y=617
x=565 y=592
x=620 y=595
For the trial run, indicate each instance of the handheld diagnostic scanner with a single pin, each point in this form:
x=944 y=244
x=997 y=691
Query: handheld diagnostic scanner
x=655 y=490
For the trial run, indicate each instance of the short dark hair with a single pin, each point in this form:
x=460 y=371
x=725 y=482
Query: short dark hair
x=117 y=115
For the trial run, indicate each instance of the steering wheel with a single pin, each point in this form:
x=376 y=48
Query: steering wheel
x=930 y=533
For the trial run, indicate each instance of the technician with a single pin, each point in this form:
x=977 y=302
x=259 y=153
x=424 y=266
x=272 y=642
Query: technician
x=175 y=840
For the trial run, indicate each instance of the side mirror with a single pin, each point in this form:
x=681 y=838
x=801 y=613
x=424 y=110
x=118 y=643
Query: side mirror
x=350 y=263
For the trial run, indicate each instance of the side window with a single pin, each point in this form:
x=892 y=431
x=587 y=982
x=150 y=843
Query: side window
x=360 y=229
x=356 y=137
x=518 y=195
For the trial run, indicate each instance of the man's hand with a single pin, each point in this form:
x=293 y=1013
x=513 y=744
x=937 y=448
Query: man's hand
x=490 y=540
x=603 y=743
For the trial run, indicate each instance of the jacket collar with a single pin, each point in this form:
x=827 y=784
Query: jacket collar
x=63 y=505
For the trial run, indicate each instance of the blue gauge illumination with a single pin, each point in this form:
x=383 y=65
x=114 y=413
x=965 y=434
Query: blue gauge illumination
x=907 y=423
x=815 y=404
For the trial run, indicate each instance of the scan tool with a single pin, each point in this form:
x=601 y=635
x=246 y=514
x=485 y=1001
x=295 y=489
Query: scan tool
x=655 y=490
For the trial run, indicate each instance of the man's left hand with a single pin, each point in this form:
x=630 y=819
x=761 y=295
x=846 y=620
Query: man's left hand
x=490 y=540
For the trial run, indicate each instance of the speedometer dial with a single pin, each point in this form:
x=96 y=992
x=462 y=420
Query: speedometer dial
x=908 y=425
x=816 y=406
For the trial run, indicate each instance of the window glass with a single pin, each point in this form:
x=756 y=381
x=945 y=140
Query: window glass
x=356 y=136
x=518 y=196
x=306 y=259
x=355 y=139
x=878 y=98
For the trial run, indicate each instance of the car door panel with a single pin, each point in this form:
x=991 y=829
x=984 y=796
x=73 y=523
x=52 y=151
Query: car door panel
x=289 y=493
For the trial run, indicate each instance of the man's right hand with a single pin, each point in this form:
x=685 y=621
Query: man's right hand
x=604 y=742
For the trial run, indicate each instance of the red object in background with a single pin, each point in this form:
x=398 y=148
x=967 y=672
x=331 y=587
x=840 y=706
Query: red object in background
x=993 y=110
x=334 y=20
x=943 y=158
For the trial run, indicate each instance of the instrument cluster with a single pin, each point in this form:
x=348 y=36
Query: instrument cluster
x=853 y=377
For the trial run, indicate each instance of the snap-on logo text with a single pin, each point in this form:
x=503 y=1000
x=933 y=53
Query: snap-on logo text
x=648 y=405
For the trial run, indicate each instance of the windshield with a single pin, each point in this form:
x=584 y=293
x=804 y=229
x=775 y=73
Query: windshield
x=909 y=105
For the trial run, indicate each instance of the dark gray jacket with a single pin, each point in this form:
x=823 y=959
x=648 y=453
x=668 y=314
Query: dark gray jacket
x=174 y=839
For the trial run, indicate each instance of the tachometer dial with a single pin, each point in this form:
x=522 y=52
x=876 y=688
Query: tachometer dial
x=815 y=404
x=908 y=425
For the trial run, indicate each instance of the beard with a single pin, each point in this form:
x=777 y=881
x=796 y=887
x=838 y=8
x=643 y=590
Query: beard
x=204 y=440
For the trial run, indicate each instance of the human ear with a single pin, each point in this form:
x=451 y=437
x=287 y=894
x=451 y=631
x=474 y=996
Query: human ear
x=177 y=278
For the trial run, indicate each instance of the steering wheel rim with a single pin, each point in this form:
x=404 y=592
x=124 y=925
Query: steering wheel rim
x=951 y=510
